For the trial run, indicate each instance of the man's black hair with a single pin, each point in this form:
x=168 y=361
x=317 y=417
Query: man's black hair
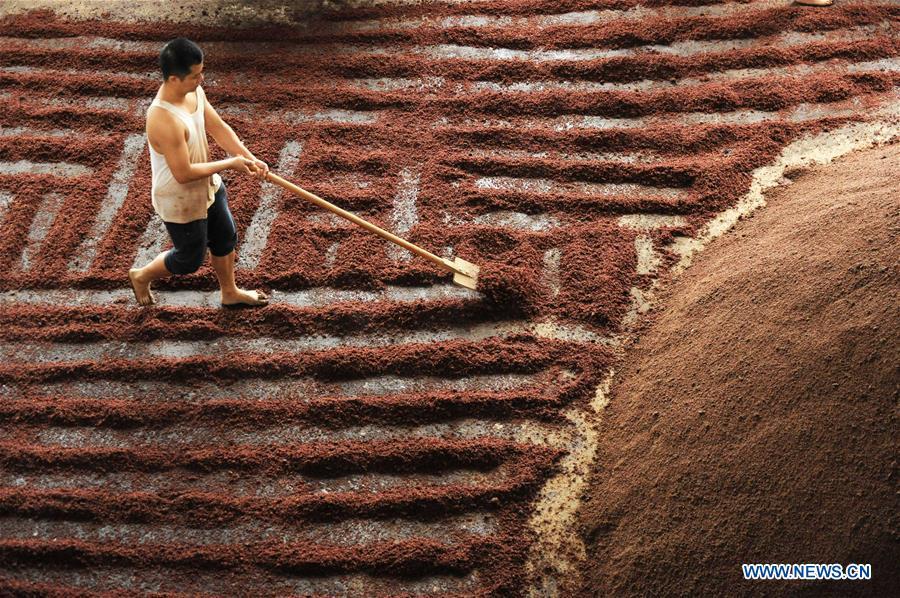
x=178 y=56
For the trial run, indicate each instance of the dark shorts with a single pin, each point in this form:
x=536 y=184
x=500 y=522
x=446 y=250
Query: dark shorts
x=216 y=232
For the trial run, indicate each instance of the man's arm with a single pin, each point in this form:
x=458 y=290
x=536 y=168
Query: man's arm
x=228 y=140
x=166 y=134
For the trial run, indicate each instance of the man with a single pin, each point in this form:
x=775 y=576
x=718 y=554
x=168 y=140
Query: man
x=187 y=191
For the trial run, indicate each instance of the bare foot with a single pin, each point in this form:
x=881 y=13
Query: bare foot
x=141 y=289
x=243 y=298
x=814 y=2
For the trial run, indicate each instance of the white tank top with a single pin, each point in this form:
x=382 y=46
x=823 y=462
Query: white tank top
x=173 y=201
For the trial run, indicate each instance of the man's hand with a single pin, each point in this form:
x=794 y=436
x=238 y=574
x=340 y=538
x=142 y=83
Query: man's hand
x=262 y=169
x=243 y=165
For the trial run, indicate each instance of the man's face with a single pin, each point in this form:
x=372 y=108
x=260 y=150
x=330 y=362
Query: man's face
x=191 y=80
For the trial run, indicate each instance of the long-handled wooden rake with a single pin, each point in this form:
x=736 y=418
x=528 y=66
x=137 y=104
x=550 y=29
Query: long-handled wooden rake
x=465 y=274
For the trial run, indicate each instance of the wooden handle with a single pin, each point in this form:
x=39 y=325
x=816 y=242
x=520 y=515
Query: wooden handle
x=446 y=264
